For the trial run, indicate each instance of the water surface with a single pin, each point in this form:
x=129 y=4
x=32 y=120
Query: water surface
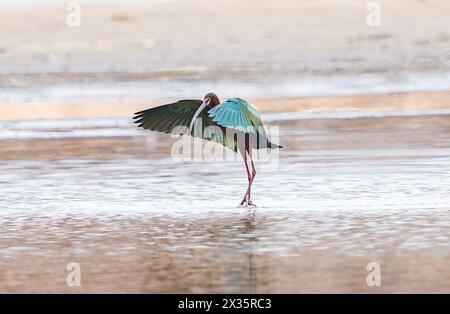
x=346 y=192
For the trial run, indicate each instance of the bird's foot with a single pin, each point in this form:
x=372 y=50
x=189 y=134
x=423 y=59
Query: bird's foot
x=247 y=202
x=245 y=199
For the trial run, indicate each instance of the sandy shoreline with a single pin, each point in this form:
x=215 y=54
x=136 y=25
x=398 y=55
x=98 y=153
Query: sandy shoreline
x=426 y=101
x=220 y=44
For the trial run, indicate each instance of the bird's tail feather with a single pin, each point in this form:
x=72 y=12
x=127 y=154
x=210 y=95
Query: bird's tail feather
x=273 y=146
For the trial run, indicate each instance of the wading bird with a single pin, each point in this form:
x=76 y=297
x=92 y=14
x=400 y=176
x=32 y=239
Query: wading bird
x=234 y=123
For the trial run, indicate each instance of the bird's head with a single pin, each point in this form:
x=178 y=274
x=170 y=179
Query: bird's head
x=211 y=100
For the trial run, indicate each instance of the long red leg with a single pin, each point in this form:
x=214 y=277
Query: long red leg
x=249 y=202
x=246 y=196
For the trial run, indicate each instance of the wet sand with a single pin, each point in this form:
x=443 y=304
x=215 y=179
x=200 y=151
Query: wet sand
x=347 y=192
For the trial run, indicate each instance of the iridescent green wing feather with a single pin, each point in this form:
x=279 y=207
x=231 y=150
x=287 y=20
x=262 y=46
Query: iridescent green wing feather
x=165 y=118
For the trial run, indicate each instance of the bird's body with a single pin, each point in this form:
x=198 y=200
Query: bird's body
x=234 y=123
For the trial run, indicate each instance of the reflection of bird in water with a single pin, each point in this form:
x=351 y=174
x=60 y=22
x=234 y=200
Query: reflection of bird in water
x=250 y=225
x=233 y=123
x=250 y=220
x=252 y=278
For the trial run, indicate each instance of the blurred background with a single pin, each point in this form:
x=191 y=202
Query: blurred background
x=359 y=89
x=129 y=55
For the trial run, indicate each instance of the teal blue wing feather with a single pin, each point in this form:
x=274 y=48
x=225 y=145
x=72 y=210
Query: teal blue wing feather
x=237 y=114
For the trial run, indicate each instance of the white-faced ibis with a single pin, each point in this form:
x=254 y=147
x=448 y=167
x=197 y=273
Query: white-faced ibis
x=234 y=123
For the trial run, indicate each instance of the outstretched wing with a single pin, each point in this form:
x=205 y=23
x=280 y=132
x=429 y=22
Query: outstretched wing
x=176 y=118
x=237 y=114
x=165 y=118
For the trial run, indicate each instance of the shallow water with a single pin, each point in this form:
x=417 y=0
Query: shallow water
x=346 y=192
